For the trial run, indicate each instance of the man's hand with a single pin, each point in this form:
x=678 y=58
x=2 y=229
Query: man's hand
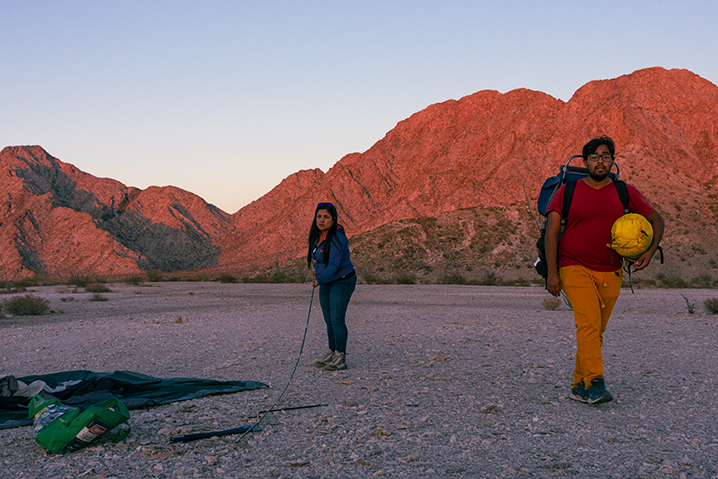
x=643 y=261
x=659 y=226
x=553 y=283
x=553 y=228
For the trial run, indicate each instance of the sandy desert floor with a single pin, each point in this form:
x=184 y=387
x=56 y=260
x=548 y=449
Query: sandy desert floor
x=444 y=381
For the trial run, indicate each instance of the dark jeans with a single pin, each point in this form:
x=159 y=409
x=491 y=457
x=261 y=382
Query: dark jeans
x=334 y=298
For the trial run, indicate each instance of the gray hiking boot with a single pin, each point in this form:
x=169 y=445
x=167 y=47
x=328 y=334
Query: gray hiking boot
x=579 y=393
x=326 y=359
x=338 y=362
x=597 y=393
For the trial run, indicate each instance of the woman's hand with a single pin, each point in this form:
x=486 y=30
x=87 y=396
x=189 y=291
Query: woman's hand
x=315 y=283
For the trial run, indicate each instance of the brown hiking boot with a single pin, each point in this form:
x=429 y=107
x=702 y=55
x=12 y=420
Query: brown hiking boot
x=326 y=359
x=338 y=362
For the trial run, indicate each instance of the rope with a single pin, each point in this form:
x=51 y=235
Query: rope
x=306 y=327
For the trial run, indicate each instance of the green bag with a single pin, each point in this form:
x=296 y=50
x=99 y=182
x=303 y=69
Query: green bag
x=61 y=428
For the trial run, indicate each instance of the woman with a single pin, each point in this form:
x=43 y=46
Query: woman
x=335 y=276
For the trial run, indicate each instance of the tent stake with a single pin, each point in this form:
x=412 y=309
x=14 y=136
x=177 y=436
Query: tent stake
x=291 y=408
x=203 y=435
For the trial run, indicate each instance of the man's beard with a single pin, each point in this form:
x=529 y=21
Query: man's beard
x=598 y=176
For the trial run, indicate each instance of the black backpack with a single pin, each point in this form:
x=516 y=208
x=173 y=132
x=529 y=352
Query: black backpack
x=568 y=175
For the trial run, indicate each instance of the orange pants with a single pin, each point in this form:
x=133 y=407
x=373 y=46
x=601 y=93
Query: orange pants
x=592 y=295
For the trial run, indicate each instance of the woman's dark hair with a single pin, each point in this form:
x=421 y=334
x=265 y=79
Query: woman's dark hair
x=593 y=145
x=314 y=232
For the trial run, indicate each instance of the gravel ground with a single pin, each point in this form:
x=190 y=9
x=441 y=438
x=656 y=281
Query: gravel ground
x=444 y=381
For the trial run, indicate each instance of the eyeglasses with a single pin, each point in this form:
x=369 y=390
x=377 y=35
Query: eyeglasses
x=603 y=156
x=323 y=204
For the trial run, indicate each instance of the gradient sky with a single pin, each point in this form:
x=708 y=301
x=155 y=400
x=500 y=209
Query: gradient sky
x=226 y=99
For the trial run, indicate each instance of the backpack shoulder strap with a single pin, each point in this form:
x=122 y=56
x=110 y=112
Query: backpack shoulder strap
x=568 y=189
x=622 y=194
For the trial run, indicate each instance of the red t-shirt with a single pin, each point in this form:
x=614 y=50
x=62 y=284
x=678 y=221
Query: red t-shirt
x=588 y=226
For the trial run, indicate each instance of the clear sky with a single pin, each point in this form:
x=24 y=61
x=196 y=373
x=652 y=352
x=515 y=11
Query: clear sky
x=227 y=98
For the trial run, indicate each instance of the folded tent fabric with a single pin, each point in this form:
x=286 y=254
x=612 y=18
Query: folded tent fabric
x=84 y=389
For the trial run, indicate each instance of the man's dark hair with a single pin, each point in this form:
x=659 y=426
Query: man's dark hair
x=593 y=145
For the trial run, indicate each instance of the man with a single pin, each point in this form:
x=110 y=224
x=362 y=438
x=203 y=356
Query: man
x=585 y=268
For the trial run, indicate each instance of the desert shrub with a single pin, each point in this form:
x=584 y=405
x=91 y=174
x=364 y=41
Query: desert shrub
x=41 y=278
x=135 y=279
x=712 y=305
x=690 y=305
x=281 y=276
x=227 y=278
x=703 y=281
x=79 y=279
x=257 y=278
x=377 y=279
x=671 y=281
x=277 y=276
x=642 y=283
x=405 y=278
x=28 y=305
x=154 y=276
x=15 y=289
x=97 y=288
x=490 y=279
x=551 y=304
x=453 y=278
x=369 y=277
x=97 y=297
x=199 y=278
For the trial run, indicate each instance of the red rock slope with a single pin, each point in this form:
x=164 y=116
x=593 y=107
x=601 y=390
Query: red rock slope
x=477 y=152
x=60 y=220
x=481 y=150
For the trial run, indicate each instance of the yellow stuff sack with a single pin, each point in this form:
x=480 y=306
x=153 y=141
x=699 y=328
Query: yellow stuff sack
x=631 y=235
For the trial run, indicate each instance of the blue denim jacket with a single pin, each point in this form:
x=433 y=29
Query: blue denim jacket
x=339 y=263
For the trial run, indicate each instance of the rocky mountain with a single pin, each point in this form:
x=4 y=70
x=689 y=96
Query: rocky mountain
x=444 y=192
x=60 y=220
x=487 y=152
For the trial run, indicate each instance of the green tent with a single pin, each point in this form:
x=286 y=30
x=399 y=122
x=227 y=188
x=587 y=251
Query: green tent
x=84 y=389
